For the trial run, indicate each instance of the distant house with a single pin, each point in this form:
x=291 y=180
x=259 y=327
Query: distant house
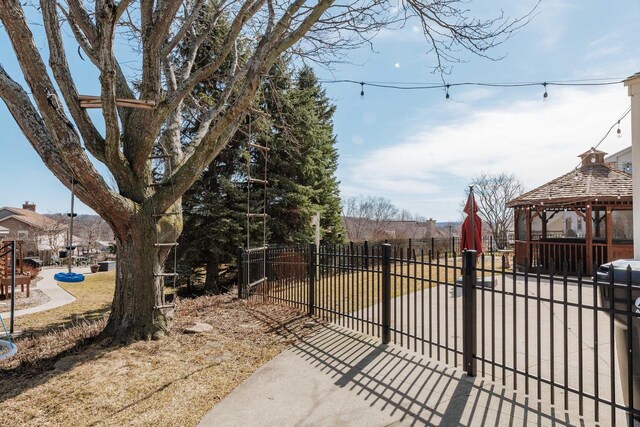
x=41 y=236
x=620 y=160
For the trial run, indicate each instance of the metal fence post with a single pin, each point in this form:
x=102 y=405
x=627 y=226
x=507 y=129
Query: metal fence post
x=311 y=297
x=469 y=317
x=240 y=262
x=386 y=293
x=365 y=251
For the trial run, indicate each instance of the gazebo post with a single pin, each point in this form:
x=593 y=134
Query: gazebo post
x=528 y=253
x=544 y=224
x=633 y=83
x=589 y=240
x=609 y=230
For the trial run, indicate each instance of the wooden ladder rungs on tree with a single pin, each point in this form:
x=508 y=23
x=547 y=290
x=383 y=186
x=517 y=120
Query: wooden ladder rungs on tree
x=88 y=101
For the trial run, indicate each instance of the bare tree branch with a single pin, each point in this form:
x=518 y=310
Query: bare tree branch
x=493 y=192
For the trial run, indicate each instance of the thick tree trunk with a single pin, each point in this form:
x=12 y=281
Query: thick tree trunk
x=139 y=310
x=211 y=280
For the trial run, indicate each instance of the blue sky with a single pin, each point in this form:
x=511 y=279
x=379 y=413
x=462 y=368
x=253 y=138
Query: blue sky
x=420 y=150
x=415 y=147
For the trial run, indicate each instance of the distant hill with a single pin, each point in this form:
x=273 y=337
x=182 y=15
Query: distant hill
x=89 y=228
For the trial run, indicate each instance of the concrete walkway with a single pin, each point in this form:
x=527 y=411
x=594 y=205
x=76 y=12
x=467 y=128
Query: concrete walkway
x=57 y=296
x=339 y=377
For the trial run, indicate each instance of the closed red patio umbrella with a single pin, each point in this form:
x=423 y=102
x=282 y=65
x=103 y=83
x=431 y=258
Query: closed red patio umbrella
x=471 y=237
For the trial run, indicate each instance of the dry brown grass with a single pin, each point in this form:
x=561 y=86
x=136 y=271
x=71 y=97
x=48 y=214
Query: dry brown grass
x=172 y=382
x=352 y=291
x=93 y=301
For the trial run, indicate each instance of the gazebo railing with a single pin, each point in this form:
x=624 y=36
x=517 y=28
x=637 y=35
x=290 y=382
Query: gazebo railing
x=554 y=255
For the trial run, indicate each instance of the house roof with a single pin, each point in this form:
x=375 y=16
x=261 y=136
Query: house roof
x=617 y=154
x=31 y=218
x=584 y=184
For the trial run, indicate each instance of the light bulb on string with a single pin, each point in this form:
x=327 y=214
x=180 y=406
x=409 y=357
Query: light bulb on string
x=446 y=91
x=362 y=89
x=545 y=96
x=619 y=132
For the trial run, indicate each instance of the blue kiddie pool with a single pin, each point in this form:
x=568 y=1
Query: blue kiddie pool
x=69 y=277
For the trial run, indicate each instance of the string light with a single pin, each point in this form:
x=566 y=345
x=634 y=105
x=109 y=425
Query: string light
x=447 y=86
x=446 y=90
x=619 y=132
x=362 y=89
x=616 y=123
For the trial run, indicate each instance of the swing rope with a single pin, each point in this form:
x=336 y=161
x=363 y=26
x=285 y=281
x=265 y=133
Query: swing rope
x=6 y=332
x=12 y=348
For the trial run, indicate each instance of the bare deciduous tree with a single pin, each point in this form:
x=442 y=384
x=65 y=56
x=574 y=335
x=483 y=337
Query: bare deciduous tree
x=369 y=215
x=492 y=192
x=169 y=35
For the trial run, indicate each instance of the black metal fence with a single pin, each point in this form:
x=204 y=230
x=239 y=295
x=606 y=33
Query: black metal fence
x=563 y=340
x=452 y=244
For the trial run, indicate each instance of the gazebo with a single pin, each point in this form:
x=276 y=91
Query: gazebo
x=583 y=218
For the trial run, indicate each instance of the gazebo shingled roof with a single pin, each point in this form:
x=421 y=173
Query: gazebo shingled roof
x=593 y=180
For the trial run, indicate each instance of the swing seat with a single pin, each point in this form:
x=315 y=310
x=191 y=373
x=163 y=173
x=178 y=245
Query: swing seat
x=69 y=277
x=7 y=349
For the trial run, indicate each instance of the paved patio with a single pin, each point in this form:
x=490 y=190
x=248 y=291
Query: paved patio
x=339 y=377
x=534 y=343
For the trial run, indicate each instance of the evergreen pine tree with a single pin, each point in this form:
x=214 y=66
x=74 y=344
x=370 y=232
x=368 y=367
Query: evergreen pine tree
x=296 y=124
x=303 y=159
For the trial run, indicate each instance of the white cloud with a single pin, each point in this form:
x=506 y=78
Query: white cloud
x=535 y=140
x=357 y=139
x=473 y=95
x=550 y=22
x=603 y=52
x=397 y=65
x=369 y=117
x=606 y=39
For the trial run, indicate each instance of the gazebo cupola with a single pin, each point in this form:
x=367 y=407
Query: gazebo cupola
x=592 y=157
x=583 y=218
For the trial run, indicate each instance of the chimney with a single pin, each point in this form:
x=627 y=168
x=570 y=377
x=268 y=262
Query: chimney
x=29 y=206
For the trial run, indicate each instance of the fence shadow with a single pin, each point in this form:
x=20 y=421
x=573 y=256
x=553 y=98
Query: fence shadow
x=413 y=390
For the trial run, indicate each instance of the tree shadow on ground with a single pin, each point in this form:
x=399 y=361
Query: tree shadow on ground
x=26 y=376
x=65 y=322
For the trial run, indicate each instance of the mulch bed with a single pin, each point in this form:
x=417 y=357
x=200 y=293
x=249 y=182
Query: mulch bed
x=36 y=298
